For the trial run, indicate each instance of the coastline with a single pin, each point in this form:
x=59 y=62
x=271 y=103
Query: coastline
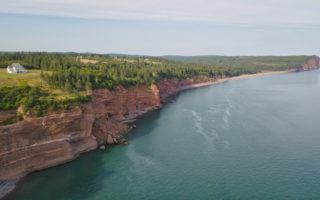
x=9 y=186
x=197 y=85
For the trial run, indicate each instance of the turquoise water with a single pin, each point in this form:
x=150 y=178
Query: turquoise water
x=256 y=138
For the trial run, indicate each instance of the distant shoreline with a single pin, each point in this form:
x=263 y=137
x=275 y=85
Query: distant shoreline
x=197 y=85
x=7 y=187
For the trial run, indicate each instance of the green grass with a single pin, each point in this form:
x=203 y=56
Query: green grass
x=33 y=79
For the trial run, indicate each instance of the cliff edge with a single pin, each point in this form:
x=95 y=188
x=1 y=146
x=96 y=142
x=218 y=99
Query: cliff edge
x=38 y=143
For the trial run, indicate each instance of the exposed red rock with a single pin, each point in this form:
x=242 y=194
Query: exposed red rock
x=38 y=143
x=112 y=108
x=168 y=88
x=311 y=64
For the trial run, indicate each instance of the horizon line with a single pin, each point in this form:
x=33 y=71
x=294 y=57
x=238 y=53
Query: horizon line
x=148 y=55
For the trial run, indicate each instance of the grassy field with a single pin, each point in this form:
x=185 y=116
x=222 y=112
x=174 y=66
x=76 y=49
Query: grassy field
x=32 y=78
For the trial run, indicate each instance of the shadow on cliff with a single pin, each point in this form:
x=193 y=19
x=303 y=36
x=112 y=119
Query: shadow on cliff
x=79 y=179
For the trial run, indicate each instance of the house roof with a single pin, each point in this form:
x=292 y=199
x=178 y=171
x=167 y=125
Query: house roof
x=15 y=65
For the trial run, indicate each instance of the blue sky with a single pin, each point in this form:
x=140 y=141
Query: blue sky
x=154 y=27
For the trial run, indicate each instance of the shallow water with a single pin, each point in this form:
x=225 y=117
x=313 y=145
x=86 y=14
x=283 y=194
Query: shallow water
x=256 y=138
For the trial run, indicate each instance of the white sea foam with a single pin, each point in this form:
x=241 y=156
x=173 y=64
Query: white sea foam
x=227 y=113
x=198 y=121
x=208 y=136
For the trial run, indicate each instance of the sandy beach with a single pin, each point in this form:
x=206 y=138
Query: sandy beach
x=233 y=78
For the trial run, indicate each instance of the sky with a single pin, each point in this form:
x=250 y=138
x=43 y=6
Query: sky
x=162 y=27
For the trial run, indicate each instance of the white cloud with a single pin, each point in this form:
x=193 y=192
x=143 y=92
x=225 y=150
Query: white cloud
x=242 y=12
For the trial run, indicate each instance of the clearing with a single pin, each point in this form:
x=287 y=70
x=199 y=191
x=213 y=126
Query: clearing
x=32 y=78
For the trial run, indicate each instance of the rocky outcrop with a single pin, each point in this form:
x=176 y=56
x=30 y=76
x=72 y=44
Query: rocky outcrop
x=38 y=143
x=113 y=108
x=312 y=63
x=171 y=87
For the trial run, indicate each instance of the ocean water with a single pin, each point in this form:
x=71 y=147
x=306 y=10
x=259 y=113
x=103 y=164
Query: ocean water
x=255 y=138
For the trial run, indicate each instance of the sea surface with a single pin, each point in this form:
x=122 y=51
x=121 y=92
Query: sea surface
x=255 y=138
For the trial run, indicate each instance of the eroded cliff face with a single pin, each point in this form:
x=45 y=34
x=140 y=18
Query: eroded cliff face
x=168 y=88
x=38 y=143
x=113 y=108
x=312 y=63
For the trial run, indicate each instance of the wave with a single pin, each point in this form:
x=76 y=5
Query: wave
x=209 y=136
x=227 y=113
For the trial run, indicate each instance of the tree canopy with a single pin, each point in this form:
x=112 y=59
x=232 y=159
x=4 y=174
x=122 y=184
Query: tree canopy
x=74 y=73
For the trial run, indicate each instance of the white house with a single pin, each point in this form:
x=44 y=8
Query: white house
x=16 y=68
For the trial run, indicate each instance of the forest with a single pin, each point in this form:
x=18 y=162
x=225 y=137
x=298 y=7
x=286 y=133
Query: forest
x=34 y=99
x=75 y=72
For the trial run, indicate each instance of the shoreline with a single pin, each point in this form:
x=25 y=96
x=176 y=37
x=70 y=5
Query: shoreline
x=244 y=76
x=9 y=186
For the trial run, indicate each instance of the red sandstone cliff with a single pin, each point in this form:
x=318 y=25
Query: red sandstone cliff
x=38 y=143
x=113 y=108
x=311 y=64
